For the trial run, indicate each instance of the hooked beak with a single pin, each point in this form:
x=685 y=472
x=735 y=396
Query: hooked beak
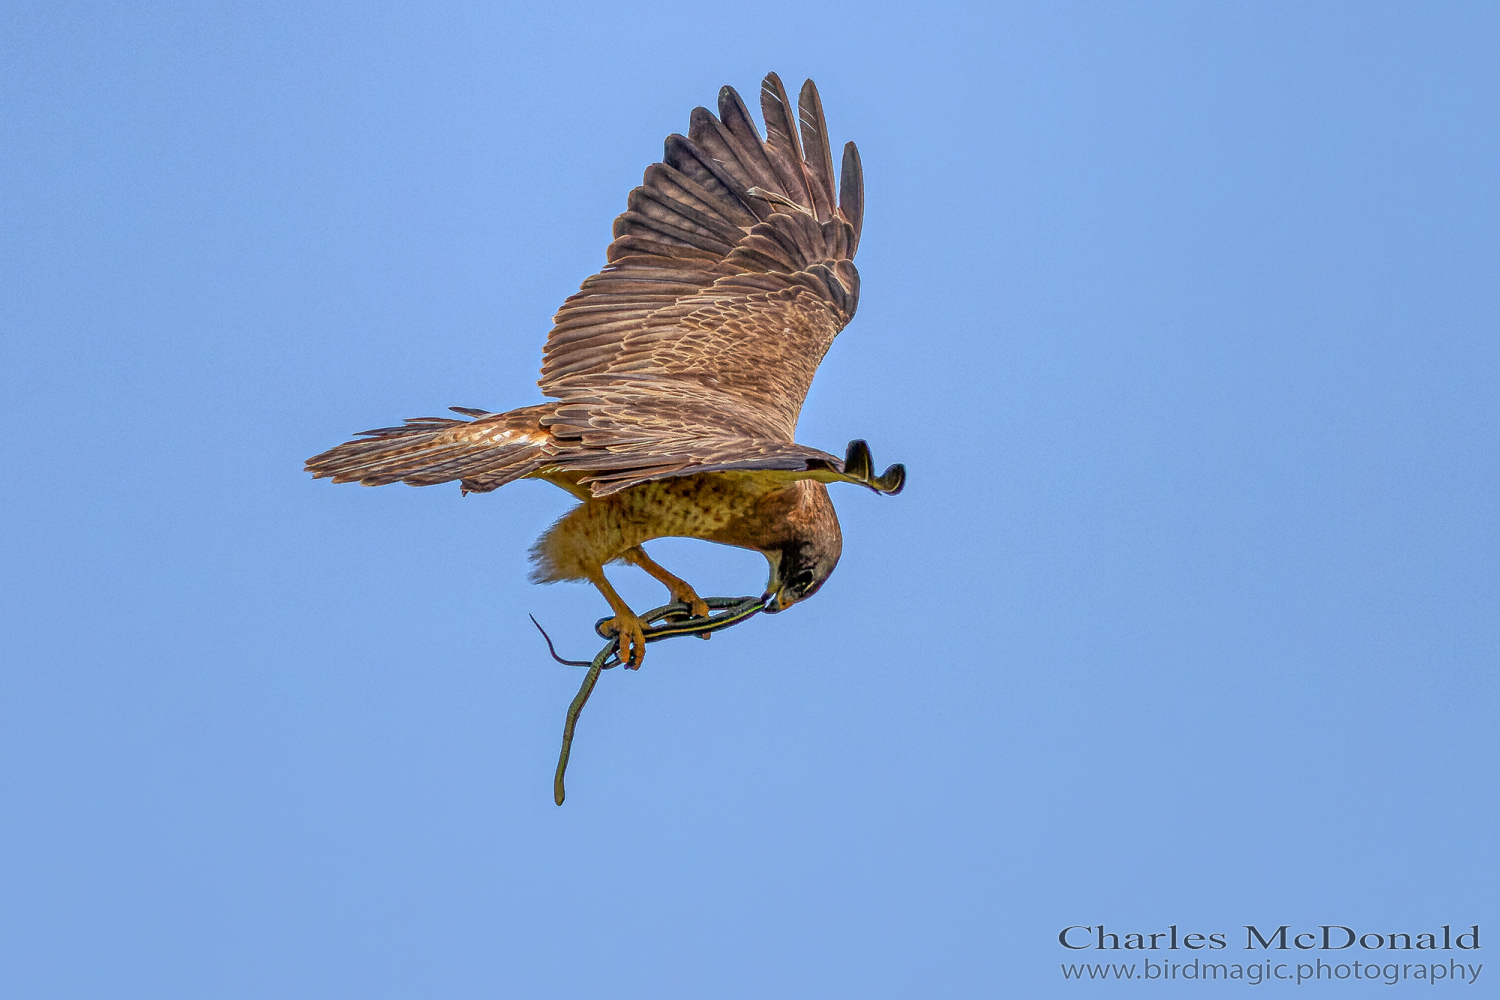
x=771 y=600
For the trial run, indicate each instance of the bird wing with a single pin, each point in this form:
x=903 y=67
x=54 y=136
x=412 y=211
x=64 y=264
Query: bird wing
x=729 y=275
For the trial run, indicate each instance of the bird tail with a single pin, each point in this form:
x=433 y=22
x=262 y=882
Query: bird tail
x=483 y=453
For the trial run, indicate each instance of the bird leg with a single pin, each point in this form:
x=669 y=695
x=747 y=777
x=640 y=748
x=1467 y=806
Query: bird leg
x=628 y=626
x=681 y=591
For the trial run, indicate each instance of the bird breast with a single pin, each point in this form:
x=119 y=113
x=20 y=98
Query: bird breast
x=717 y=506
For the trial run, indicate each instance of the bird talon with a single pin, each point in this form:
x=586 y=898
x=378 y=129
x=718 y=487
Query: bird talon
x=630 y=634
x=697 y=606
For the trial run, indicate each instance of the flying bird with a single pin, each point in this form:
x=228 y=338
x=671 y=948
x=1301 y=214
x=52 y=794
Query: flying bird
x=676 y=374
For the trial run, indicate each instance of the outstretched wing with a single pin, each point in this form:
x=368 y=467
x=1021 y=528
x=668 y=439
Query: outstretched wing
x=730 y=273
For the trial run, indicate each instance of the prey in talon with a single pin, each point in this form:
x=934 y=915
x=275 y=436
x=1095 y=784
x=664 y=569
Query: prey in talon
x=674 y=377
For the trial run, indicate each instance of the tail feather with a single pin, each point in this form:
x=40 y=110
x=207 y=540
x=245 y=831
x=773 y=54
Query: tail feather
x=484 y=453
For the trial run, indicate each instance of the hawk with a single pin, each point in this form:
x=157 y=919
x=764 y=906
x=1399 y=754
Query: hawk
x=676 y=374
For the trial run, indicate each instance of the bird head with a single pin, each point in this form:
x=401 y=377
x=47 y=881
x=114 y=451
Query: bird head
x=798 y=569
x=807 y=549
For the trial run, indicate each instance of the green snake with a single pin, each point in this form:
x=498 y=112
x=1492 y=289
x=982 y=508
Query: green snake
x=678 y=621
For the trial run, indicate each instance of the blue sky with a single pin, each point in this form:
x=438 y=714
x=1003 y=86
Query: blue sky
x=1182 y=317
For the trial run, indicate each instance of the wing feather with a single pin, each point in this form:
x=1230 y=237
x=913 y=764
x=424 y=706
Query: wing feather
x=852 y=195
x=816 y=153
x=782 y=148
x=739 y=130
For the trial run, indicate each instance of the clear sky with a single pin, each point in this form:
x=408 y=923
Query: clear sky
x=1183 y=319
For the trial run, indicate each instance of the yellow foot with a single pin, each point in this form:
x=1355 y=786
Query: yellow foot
x=687 y=595
x=690 y=597
x=631 y=632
